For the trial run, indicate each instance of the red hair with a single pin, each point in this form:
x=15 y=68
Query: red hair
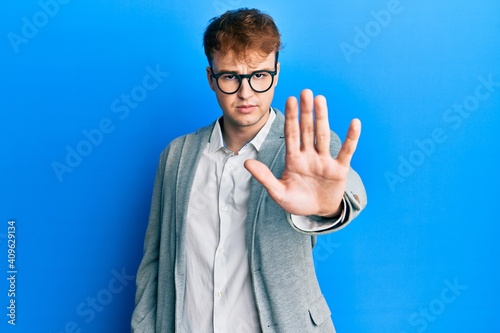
x=239 y=31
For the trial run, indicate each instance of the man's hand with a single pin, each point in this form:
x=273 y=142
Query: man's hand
x=313 y=182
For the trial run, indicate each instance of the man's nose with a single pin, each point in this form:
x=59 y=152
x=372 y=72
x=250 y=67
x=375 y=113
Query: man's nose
x=245 y=90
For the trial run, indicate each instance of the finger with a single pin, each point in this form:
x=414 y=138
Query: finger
x=306 y=119
x=322 y=125
x=261 y=172
x=349 y=147
x=292 y=131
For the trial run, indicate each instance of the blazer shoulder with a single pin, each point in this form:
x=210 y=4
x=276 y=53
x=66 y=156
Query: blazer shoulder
x=180 y=141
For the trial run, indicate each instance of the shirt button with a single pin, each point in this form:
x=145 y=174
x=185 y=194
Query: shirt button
x=219 y=294
x=224 y=207
x=221 y=250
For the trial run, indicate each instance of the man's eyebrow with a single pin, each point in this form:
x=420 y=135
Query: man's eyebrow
x=226 y=71
x=235 y=71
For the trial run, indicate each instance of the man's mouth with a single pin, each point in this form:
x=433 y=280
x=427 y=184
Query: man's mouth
x=245 y=108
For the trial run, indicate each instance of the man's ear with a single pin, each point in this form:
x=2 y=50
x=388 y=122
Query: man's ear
x=210 y=79
x=276 y=77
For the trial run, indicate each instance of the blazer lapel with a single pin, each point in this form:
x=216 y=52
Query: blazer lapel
x=191 y=151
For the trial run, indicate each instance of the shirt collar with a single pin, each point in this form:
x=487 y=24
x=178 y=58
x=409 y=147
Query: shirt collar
x=217 y=141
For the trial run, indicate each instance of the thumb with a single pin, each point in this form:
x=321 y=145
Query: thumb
x=261 y=172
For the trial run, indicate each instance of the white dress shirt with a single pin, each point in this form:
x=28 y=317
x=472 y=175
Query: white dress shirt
x=219 y=296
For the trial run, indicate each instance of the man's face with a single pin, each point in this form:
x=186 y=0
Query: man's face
x=245 y=110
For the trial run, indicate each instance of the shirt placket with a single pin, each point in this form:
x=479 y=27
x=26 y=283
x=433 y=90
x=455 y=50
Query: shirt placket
x=226 y=190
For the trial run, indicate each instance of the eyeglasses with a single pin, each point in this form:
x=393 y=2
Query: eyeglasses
x=230 y=82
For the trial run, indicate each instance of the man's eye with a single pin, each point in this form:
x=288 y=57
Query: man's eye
x=229 y=77
x=261 y=75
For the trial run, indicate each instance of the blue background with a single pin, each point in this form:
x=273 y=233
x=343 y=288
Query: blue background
x=423 y=256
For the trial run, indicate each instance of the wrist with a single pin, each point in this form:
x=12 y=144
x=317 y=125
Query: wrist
x=339 y=213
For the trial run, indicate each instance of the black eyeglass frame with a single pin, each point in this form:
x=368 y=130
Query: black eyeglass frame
x=246 y=76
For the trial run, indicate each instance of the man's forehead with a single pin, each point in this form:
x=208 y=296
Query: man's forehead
x=251 y=59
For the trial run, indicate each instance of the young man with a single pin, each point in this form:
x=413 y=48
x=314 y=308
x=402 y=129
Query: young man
x=236 y=205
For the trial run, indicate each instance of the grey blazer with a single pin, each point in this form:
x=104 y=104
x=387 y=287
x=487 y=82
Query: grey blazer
x=286 y=289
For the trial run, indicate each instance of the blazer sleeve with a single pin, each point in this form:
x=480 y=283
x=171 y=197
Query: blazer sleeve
x=144 y=315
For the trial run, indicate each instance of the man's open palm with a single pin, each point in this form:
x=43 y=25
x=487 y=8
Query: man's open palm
x=313 y=182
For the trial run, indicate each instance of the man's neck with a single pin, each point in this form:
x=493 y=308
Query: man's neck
x=234 y=140
x=235 y=137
